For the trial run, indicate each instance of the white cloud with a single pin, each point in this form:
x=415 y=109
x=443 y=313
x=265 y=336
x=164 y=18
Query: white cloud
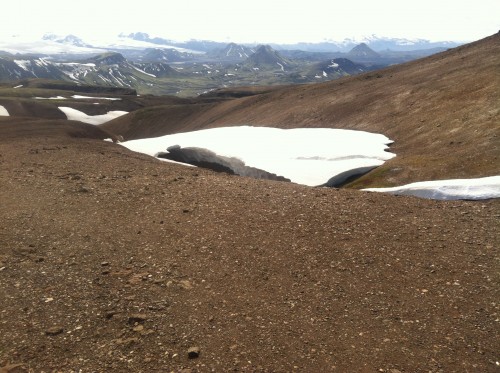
x=258 y=20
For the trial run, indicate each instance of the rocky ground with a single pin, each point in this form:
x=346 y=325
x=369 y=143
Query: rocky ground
x=113 y=261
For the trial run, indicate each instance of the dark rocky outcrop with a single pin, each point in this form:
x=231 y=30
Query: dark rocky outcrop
x=207 y=159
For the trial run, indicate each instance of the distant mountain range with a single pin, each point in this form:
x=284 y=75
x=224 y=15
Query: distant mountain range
x=154 y=65
x=56 y=44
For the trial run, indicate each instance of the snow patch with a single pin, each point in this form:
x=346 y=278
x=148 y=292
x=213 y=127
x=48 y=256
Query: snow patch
x=3 y=112
x=50 y=98
x=469 y=189
x=95 y=98
x=142 y=71
x=309 y=156
x=73 y=114
x=18 y=86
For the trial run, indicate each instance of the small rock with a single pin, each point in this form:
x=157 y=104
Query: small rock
x=193 y=352
x=126 y=341
x=186 y=284
x=83 y=189
x=55 y=330
x=110 y=314
x=138 y=328
x=104 y=264
x=137 y=317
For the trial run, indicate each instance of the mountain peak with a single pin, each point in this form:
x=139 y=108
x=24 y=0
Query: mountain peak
x=265 y=55
x=363 y=50
x=111 y=58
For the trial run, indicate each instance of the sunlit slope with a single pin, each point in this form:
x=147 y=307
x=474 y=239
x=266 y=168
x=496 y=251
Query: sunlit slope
x=442 y=112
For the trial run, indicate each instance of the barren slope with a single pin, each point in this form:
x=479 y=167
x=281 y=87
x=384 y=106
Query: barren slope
x=441 y=111
x=114 y=261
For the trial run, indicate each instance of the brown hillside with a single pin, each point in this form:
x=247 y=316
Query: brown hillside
x=442 y=112
x=112 y=261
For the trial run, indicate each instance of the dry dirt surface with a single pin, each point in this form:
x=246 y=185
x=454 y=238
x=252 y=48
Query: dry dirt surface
x=111 y=261
x=443 y=113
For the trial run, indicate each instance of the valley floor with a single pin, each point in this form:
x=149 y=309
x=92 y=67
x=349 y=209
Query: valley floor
x=113 y=261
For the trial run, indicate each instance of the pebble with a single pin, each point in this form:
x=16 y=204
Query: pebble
x=55 y=330
x=138 y=328
x=193 y=352
x=137 y=317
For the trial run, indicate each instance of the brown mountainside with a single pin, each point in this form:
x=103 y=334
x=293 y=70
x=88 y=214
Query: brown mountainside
x=442 y=112
x=113 y=261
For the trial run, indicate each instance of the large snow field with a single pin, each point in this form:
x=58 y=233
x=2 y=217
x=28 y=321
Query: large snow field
x=309 y=156
x=73 y=114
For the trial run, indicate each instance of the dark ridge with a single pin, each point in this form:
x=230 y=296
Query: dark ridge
x=347 y=177
x=207 y=159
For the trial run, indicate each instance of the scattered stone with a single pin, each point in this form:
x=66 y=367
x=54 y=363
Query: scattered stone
x=110 y=314
x=138 y=328
x=83 y=189
x=193 y=352
x=126 y=341
x=104 y=264
x=137 y=317
x=185 y=284
x=55 y=330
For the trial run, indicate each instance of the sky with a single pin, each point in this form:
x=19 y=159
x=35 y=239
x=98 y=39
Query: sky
x=255 y=21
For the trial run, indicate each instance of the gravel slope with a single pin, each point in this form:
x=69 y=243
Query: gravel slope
x=113 y=261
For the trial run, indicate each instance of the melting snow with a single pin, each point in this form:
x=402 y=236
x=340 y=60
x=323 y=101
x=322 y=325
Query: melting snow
x=73 y=114
x=471 y=189
x=50 y=98
x=309 y=156
x=18 y=86
x=95 y=98
x=3 y=112
x=142 y=71
x=23 y=64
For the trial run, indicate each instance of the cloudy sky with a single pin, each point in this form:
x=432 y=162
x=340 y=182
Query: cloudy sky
x=255 y=20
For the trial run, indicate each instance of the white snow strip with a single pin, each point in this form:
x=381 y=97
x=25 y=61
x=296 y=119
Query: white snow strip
x=470 y=189
x=309 y=156
x=95 y=98
x=3 y=112
x=142 y=71
x=281 y=66
x=50 y=98
x=78 y=64
x=18 y=86
x=73 y=114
